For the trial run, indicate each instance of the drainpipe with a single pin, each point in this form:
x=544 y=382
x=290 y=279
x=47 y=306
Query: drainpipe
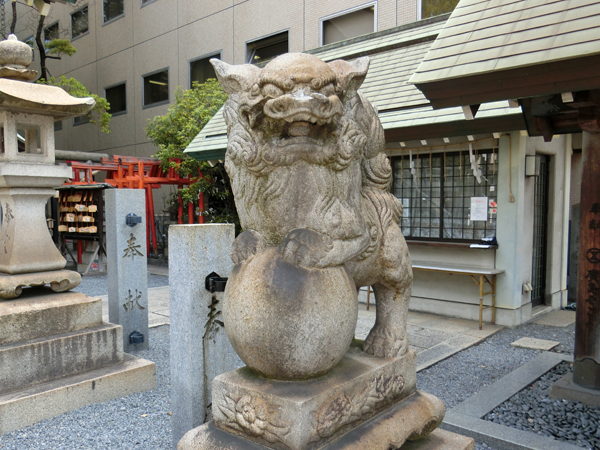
x=566 y=214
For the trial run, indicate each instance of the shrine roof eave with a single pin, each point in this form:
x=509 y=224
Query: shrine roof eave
x=504 y=123
x=573 y=75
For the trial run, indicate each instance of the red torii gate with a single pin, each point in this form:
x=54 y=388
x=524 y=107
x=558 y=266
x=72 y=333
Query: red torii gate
x=129 y=172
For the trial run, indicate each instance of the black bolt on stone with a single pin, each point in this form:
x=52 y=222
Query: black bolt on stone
x=215 y=283
x=132 y=219
x=136 y=338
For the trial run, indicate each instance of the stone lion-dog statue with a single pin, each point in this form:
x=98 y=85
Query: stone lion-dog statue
x=309 y=177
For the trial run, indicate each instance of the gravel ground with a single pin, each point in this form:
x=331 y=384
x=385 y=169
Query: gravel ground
x=142 y=421
x=532 y=410
x=462 y=375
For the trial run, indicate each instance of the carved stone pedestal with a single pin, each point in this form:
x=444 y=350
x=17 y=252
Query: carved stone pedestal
x=364 y=402
x=11 y=286
x=371 y=435
x=57 y=355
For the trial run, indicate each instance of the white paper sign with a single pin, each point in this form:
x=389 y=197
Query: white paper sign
x=479 y=208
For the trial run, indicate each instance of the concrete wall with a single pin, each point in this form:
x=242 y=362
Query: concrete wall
x=169 y=34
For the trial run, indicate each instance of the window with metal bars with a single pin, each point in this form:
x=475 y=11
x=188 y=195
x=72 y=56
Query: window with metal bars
x=436 y=192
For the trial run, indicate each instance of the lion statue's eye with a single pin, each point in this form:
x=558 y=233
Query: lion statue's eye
x=327 y=90
x=270 y=90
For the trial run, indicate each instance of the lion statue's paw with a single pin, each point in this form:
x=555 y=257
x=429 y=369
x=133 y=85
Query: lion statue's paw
x=246 y=245
x=385 y=343
x=305 y=248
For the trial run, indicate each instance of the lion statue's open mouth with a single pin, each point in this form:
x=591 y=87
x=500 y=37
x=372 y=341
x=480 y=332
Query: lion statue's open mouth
x=299 y=117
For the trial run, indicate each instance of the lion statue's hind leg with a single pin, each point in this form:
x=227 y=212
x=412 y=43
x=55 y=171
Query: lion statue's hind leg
x=388 y=338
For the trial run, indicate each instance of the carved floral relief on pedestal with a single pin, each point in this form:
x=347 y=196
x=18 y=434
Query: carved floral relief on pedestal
x=251 y=416
x=346 y=408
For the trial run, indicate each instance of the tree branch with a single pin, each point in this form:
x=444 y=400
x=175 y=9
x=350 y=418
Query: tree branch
x=14 y=17
x=41 y=48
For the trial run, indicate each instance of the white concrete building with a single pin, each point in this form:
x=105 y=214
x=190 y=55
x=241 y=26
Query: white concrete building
x=138 y=52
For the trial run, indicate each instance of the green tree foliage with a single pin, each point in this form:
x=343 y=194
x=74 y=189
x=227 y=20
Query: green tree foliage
x=99 y=113
x=174 y=131
x=59 y=47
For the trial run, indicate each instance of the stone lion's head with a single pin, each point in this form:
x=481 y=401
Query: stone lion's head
x=298 y=108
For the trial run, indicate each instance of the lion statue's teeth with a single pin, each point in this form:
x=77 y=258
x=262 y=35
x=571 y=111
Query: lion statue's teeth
x=299 y=129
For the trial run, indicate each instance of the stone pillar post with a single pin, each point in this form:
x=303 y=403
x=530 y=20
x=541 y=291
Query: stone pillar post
x=586 y=370
x=127 y=265
x=200 y=349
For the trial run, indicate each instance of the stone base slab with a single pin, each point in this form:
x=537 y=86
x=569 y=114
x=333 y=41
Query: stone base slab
x=11 y=286
x=303 y=415
x=28 y=406
x=48 y=358
x=566 y=389
x=441 y=440
x=44 y=313
x=413 y=418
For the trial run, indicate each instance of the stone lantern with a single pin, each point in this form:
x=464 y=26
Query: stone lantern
x=56 y=352
x=28 y=174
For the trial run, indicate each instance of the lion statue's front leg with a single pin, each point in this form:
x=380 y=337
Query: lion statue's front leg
x=305 y=248
x=246 y=245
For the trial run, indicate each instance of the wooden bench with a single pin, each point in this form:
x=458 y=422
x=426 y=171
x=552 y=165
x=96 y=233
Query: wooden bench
x=479 y=276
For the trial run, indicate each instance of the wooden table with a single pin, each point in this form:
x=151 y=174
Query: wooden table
x=479 y=276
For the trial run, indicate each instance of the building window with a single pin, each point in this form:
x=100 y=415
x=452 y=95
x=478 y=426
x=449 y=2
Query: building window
x=116 y=96
x=201 y=69
x=267 y=48
x=437 y=201
x=156 y=87
x=113 y=9
x=51 y=32
x=79 y=22
x=348 y=25
x=81 y=120
x=430 y=8
x=57 y=125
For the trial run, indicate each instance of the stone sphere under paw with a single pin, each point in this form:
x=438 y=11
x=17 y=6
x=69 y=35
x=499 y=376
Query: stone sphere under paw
x=287 y=322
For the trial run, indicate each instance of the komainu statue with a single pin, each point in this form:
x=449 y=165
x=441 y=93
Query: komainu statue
x=312 y=186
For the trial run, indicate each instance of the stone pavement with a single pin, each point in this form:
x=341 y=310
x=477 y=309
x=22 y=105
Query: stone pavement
x=433 y=337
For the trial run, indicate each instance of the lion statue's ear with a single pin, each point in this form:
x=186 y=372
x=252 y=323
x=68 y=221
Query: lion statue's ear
x=235 y=78
x=350 y=74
